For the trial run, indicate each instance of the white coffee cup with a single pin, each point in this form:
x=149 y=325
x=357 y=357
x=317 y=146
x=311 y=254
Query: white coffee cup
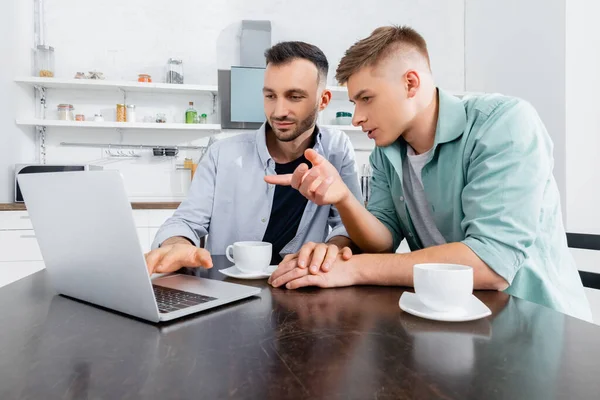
x=443 y=287
x=250 y=257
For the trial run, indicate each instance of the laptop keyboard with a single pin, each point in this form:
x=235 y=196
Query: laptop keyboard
x=170 y=300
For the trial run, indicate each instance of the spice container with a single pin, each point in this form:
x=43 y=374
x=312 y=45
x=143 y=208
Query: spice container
x=131 y=113
x=65 y=112
x=174 y=71
x=161 y=118
x=80 y=117
x=201 y=119
x=343 y=118
x=144 y=78
x=121 y=113
x=44 y=61
x=98 y=118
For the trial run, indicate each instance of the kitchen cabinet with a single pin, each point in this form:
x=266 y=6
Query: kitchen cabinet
x=14 y=220
x=18 y=243
x=147 y=223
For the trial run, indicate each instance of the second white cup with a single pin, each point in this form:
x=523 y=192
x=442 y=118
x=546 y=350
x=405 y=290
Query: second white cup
x=250 y=257
x=443 y=287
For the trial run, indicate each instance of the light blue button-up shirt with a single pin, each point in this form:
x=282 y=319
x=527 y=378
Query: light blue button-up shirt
x=489 y=184
x=229 y=200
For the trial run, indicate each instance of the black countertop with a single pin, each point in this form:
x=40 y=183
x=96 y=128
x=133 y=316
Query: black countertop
x=349 y=343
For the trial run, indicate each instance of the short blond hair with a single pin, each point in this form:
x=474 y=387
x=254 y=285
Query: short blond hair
x=375 y=48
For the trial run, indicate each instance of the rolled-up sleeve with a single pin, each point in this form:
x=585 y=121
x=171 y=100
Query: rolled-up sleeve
x=349 y=174
x=192 y=219
x=381 y=203
x=510 y=167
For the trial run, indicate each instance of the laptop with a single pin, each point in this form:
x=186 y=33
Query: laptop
x=86 y=232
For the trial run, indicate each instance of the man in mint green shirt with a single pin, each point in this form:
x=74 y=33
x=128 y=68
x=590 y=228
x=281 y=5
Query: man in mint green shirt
x=466 y=181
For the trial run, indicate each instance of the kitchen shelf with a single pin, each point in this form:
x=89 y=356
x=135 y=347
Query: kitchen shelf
x=339 y=91
x=127 y=86
x=118 y=125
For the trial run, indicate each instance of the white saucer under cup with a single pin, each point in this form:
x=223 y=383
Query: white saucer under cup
x=235 y=273
x=474 y=309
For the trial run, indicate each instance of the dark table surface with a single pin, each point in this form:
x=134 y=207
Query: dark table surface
x=349 y=343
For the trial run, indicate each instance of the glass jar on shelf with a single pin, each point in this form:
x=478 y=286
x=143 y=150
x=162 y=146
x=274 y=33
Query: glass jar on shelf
x=343 y=118
x=44 y=61
x=174 y=71
x=161 y=118
x=121 y=113
x=144 y=78
x=65 y=112
x=130 y=116
x=200 y=118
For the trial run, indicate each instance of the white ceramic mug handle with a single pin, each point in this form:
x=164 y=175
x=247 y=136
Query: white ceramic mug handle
x=229 y=257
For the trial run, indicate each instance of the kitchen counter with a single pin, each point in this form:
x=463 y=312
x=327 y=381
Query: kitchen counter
x=152 y=205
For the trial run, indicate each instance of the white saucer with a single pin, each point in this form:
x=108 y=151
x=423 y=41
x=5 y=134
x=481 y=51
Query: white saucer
x=233 y=272
x=475 y=309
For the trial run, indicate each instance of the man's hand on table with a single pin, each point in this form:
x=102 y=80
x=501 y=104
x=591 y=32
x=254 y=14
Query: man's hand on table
x=292 y=276
x=319 y=256
x=175 y=253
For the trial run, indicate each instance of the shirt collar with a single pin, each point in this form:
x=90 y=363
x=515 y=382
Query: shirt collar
x=263 y=151
x=451 y=124
x=452 y=118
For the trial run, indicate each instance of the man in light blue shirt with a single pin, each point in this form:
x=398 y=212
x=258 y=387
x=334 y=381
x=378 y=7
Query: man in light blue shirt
x=229 y=200
x=466 y=181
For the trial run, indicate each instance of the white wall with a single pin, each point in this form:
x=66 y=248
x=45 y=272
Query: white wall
x=583 y=116
x=513 y=47
x=517 y=48
x=124 y=38
x=16 y=41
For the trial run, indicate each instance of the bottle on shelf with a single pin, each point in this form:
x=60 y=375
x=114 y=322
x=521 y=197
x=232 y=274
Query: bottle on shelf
x=191 y=114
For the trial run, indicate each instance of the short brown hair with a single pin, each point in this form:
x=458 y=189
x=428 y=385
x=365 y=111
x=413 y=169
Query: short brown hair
x=371 y=50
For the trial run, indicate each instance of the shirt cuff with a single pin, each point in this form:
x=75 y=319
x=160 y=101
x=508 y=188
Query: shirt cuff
x=338 y=231
x=495 y=259
x=172 y=231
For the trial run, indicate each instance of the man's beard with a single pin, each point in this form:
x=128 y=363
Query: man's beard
x=301 y=127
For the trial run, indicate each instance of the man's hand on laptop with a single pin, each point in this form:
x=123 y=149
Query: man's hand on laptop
x=175 y=253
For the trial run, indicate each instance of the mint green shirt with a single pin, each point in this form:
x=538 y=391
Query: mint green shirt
x=489 y=184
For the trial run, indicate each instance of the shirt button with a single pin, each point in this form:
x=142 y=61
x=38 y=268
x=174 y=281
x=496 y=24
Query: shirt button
x=263 y=220
x=401 y=198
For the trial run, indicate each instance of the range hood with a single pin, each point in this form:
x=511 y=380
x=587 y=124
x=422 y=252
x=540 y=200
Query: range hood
x=240 y=88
